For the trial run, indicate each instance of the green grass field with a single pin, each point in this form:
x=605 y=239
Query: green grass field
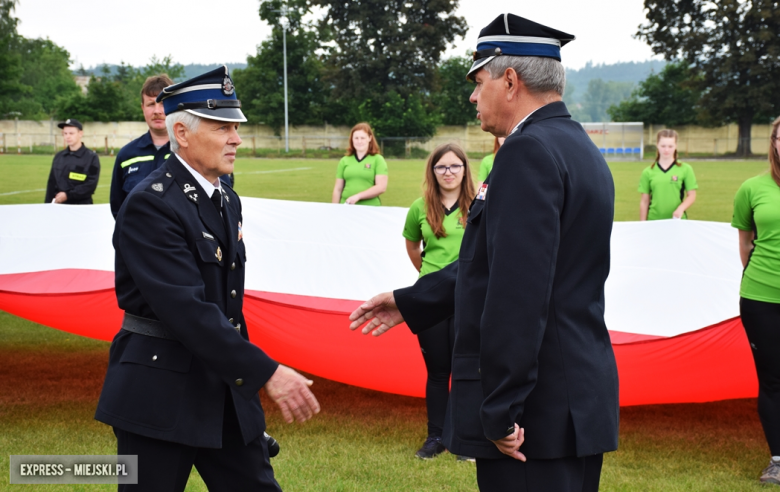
x=364 y=440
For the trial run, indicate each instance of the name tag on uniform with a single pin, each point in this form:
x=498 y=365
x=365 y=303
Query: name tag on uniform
x=482 y=192
x=77 y=176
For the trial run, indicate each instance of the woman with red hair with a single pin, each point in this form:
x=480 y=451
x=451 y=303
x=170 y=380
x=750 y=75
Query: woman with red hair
x=362 y=174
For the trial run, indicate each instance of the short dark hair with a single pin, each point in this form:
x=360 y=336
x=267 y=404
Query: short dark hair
x=155 y=84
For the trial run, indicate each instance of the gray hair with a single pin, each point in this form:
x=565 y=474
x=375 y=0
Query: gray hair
x=187 y=119
x=539 y=74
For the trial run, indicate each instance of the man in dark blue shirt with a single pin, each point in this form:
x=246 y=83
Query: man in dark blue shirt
x=75 y=170
x=146 y=153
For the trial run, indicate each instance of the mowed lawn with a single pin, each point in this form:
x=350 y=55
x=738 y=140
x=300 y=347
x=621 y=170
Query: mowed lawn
x=364 y=440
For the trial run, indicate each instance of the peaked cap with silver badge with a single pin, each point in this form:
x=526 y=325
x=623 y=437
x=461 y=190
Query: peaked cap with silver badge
x=211 y=95
x=512 y=35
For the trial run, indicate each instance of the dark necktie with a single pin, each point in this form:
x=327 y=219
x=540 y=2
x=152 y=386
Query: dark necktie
x=216 y=199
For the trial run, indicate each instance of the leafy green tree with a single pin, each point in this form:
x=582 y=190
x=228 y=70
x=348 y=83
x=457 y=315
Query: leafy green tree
x=397 y=116
x=45 y=70
x=669 y=98
x=600 y=96
x=10 y=60
x=261 y=84
x=451 y=99
x=386 y=46
x=735 y=47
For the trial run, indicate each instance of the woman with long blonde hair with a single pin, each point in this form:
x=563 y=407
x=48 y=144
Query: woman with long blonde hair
x=757 y=217
x=665 y=182
x=433 y=231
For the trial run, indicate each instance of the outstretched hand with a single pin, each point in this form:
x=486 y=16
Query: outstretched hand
x=380 y=312
x=291 y=392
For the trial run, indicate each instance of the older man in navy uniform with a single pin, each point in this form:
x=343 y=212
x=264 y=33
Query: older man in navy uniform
x=534 y=382
x=183 y=379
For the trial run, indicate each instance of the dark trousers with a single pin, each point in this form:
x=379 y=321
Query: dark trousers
x=559 y=475
x=165 y=466
x=762 y=326
x=436 y=345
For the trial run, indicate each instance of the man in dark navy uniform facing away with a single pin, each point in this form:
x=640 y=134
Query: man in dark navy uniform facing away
x=183 y=379
x=534 y=382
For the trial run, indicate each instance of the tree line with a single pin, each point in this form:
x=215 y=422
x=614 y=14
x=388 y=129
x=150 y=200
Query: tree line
x=381 y=61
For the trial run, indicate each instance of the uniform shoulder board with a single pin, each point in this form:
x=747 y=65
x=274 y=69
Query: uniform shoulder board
x=161 y=185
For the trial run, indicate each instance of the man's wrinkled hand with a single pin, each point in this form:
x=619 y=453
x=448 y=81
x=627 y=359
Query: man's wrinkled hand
x=380 y=312
x=291 y=392
x=510 y=445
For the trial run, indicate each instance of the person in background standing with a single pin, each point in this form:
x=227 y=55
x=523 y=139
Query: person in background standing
x=663 y=185
x=362 y=174
x=433 y=231
x=75 y=171
x=487 y=163
x=757 y=217
x=139 y=158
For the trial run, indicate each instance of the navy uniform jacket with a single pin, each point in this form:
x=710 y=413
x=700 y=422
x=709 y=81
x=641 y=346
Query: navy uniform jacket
x=176 y=263
x=134 y=162
x=531 y=346
x=75 y=173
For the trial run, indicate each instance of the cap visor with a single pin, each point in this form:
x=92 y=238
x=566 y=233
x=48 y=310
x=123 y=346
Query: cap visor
x=476 y=66
x=219 y=114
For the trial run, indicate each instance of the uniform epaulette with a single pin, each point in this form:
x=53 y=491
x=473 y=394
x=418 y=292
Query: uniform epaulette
x=161 y=185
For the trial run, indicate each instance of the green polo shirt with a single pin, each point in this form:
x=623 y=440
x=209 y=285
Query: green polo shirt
x=666 y=188
x=485 y=167
x=358 y=175
x=437 y=252
x=757 y=208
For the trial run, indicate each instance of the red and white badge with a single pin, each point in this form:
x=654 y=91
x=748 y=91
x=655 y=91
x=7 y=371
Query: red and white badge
x=482 y=192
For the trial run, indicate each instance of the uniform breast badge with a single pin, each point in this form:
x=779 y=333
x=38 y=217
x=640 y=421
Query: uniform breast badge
x=240 y=234
x=482 y=192
x=218 y=254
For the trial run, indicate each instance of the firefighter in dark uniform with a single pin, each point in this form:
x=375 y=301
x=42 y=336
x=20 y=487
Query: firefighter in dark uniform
x=182 y=383
x=139 y=158
x=75 y=171
x=534 y=383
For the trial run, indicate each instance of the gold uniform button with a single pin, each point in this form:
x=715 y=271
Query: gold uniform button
x=230 y=321
x=238 y=327
x=233 y=266
x=239 y=382
x=233 y=294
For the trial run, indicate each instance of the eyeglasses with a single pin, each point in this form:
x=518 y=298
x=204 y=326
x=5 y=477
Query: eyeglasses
x=454 y=169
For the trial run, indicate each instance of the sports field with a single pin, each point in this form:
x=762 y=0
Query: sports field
x=364 y=440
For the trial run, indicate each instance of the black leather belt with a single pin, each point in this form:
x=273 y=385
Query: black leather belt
x=146 y=326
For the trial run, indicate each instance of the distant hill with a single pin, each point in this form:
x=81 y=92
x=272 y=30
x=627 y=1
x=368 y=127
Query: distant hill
x=191 y=70
x=634 y=72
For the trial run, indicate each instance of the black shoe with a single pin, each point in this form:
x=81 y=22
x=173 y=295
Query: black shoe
x=431 y=448
x=466 y=459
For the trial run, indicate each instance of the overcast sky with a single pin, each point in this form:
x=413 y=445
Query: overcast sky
x=224 y=31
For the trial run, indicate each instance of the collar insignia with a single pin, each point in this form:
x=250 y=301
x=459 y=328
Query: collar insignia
x=188 y=187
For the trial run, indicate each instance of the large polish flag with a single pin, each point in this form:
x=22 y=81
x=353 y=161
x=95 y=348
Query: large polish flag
x=672 y=297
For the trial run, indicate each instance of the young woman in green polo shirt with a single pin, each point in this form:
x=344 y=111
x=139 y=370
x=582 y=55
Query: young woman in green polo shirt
x=664 y=184
x=757 y=216
x=433 y=231
x=362 y=174
x=487 y=163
